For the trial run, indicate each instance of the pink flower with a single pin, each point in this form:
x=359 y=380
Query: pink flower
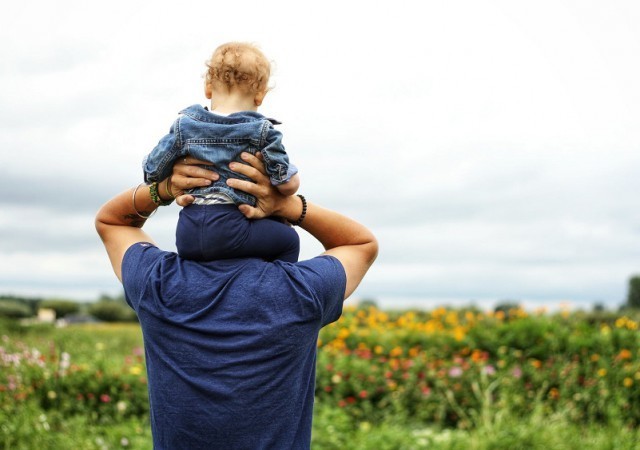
x=489 y=370
x=455 y=372
x=517 y=372
x=104 y=398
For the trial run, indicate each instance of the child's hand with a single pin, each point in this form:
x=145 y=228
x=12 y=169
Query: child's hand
x=290 y=187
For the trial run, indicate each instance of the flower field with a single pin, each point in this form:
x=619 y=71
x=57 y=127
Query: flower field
x=410 y=379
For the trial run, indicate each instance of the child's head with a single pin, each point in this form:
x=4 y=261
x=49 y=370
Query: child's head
x=240 y=68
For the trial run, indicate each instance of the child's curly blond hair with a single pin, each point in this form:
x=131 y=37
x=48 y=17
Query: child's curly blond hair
x=238 y=65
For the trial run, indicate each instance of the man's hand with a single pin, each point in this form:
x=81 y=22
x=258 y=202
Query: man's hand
x=188 y=174
x=269 y=200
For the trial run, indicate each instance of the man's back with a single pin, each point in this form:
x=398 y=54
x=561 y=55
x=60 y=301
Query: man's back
x=230 y=345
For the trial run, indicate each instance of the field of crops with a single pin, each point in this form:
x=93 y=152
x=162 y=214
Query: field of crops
x=444 y=379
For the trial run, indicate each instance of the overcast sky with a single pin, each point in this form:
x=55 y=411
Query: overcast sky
x=492 y=146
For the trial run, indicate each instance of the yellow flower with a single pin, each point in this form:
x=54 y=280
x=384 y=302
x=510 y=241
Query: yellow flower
x=595 y=357
x=459 y=333
x=135 y=370
x=343 y=333
x=602 y=372
x=628 y=382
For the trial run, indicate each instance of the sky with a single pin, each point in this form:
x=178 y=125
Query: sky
x=492 y=146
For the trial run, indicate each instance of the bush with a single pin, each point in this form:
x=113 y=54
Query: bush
x=112 y=311
x=633 y=296
x=61 y=307
x=14 y=310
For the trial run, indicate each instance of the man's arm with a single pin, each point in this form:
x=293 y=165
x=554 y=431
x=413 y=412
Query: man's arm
x=118 y=222
x=350 y=242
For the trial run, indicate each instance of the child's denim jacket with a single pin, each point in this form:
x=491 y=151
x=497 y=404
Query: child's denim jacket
x=220 y=139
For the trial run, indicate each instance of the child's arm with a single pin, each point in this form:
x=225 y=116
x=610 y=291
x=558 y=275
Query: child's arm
x=291 y=186
x=157 y=164
x=276 y=161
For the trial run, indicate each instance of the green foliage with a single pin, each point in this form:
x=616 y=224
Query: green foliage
x=454 y=369
x=112 y=311
x=367 y=303
x=31 y=302
x=14 y=310
x=61 y=307
x=443 y=379
x=633 y=296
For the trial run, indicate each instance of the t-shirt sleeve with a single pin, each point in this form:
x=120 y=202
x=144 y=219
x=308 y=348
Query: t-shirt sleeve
x=137 y=262
x=327 y=279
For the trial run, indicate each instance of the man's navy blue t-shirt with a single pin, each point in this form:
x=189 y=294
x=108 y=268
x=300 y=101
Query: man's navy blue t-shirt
x=230 y=346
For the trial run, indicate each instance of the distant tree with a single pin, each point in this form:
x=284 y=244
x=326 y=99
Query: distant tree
x=112 y=311
x=31 y=302
x=633 y=296
x=366 y=303
x=506 y=305
x=61 y=307
x=14 y=309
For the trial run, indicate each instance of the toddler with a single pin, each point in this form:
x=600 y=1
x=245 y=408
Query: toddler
x=213 y=227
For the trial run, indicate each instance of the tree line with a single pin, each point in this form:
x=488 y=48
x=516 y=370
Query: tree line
x=115 y=309
x=106 y=308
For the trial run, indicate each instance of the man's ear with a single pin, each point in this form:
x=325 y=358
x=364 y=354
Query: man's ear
x=208 y=91
x=257 y=100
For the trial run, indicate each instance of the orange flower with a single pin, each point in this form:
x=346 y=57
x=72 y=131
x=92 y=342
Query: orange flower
x=624 y=354
x=536 y=363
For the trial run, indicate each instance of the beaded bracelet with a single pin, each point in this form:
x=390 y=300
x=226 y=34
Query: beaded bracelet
x=304 y=211
x=155 y=197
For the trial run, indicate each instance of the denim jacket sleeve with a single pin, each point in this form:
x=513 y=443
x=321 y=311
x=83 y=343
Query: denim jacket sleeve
x=157 y=164
x=276 y=161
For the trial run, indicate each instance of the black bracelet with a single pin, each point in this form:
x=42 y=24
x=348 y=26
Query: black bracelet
x=304 y=211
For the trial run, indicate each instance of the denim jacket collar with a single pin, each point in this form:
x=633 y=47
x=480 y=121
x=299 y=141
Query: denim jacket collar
x=203 y=114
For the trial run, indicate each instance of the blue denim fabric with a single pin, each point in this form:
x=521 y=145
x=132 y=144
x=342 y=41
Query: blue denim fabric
x=202 y=134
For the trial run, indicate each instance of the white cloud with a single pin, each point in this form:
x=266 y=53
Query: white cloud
x=492 y=146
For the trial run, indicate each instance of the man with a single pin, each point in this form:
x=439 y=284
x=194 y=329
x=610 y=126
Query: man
x=231 y=344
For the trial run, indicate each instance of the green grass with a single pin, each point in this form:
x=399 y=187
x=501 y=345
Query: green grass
x=83 y=387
